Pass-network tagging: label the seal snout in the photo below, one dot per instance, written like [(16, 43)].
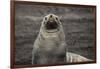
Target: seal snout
[(51, 23)]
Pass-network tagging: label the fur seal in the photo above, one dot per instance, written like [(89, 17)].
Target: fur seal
[(50, 46)]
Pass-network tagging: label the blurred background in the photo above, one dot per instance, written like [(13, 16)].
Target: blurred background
[(78, 24)]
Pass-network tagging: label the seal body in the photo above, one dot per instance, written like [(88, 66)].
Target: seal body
[(50, 46)]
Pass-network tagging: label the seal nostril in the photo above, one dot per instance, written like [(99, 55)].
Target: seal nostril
[(50, 16)]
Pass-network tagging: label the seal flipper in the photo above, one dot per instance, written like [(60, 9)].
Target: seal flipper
[(72, 57)]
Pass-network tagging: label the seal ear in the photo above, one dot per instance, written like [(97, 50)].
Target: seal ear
[(56, 18), (60, 20)]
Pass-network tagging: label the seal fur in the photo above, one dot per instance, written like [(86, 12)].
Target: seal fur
[(50, 46)]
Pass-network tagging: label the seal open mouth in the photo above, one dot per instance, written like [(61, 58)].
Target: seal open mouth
[(50, 25)]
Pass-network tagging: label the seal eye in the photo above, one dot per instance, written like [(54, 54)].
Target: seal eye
[(45, 18), (56, 18)]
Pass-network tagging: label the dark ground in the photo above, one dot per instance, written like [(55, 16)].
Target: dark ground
[(78, 26)]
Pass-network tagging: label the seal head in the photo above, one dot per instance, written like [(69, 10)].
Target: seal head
[(51, 23)]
